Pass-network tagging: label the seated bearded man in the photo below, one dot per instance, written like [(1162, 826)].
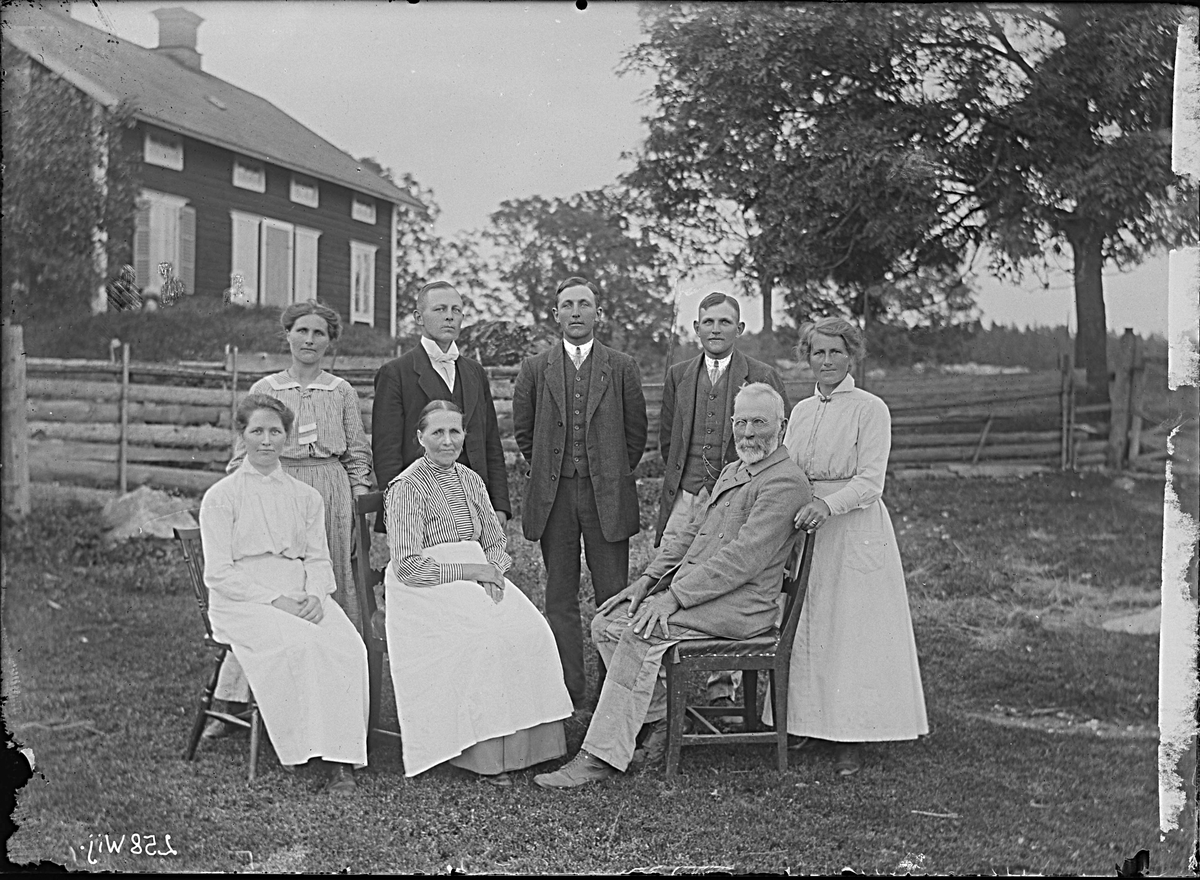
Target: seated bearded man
[(718, 577)]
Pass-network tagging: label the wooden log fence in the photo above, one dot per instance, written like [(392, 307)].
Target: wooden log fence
[(95, 421)]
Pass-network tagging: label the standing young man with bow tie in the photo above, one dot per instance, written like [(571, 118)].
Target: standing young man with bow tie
[(695, 433), (580, 421), (434, 370)]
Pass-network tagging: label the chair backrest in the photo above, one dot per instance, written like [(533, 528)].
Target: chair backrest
[(365, 577), (193, 554), (795, 586)]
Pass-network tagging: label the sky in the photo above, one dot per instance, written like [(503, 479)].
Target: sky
[(484, 102)]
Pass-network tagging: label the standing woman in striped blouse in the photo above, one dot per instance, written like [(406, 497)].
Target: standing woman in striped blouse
[(326, 448), (475, 666)]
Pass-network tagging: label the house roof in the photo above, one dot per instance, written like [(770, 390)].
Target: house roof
[(191, 102)]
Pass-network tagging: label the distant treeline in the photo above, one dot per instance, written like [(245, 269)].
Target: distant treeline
[(1037, 348)]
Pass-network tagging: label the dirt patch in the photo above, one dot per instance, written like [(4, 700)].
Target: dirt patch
[(1059, 721), (1038, 599)]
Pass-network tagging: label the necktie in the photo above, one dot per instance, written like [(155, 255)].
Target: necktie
[(714, 372), (443, 362), (577, 356)]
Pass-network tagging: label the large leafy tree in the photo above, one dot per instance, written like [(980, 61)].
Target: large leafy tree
[(869, 142), (539, 242), (70, 191)]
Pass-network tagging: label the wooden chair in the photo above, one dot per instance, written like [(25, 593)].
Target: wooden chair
[(374, 628), (189, 540), (772, 652)]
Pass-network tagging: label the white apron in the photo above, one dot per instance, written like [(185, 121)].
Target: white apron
[(466, 669), (310, 680)]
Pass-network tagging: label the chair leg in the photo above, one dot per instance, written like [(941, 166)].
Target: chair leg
[(202, 707), (779, 698), (255, 732), (750, 699), (375, 679), (676, 709)]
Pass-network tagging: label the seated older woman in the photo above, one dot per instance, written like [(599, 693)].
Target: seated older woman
[(476, 670), (269, 576)]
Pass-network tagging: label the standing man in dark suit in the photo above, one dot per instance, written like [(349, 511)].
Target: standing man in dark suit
[(580, 421), (434, 370), (695, 433)]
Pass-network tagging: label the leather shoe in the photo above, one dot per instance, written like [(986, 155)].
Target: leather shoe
[(500, 780), (846, 761), (341, 781), (580, 770), (654, 746)]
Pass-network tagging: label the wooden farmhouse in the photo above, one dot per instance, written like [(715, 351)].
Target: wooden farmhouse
[(235, 193)]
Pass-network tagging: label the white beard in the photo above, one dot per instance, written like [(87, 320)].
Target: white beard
[(755, 451)]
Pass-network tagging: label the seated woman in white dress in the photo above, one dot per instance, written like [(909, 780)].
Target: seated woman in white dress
[(269, 577), (476, 670)]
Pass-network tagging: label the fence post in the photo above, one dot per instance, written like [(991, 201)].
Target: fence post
[(123, 442), (1064, 456), (1137, 394), (1118, 396), (14, 463)]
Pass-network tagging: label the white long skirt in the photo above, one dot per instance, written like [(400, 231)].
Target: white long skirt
[(310, 680), (854, 675), (468, 670)]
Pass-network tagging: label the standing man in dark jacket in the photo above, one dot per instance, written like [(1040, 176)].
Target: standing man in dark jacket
[(580, 421), (434, 370), (695, 433)]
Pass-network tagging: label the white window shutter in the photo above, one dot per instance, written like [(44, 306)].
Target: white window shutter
[(362, 283), (244, 257), (187, 249), (275, 266), (141, 246), (306, 263)]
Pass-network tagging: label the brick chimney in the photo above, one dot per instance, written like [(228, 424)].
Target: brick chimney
[(177, 35)]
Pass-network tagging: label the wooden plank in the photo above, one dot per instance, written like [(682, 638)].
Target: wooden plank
[(1049, 450), (14, 459), (61, 389), (51, 410), (1012, 437), (180, 456), (201, 437), (104, 475)]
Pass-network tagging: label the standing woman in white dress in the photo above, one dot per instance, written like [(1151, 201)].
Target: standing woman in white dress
[(854, 671), (326, 448), (267, 569), (475, 666)]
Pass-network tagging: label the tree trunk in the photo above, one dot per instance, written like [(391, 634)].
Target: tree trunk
[(766, 286), (1091, 344)]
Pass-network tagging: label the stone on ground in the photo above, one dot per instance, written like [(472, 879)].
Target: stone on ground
[(146, 513)]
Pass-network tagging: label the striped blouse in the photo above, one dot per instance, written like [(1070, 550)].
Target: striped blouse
[(421, 504), (327, 421)]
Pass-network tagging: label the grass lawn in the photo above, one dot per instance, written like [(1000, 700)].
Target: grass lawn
[(1041, 756)]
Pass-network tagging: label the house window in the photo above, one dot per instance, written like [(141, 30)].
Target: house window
[(276, 261), (251, 175), (362, 283), (163, 149), (304, 191), (164, 234), (363, 210)]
